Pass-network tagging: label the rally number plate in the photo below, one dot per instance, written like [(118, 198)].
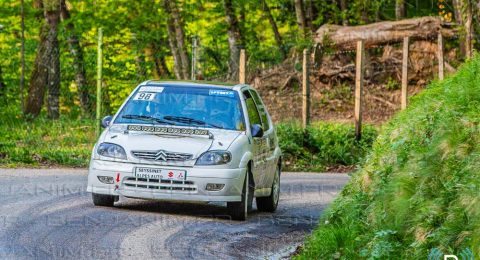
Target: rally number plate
[(160, 174)]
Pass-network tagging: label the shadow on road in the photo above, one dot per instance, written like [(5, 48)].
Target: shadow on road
[(197, 210)]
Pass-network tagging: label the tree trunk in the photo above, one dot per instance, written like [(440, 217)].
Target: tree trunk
[(78, 63), (457, 10), (273, 24), (177, 61), (400, 11), (140, 64), (22, 54), (180, 39), (172, 41), (343, 8), (52, 16), (234, 40), (346, 37), (300, 12), (39, 77), (468, 9), (309, 15), (161, 69), (243, 17)]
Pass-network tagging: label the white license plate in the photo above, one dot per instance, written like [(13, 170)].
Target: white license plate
[(160, 174)]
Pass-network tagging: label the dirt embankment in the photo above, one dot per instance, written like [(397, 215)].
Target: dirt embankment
[(332, 82)]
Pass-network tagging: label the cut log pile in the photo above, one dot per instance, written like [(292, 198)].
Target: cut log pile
[(374, 34)]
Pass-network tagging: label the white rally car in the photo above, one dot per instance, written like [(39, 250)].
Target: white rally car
[(185, 141)]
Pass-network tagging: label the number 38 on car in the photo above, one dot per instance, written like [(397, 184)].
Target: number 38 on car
[(185, 141)]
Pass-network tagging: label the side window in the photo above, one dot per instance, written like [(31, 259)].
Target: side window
[(262, 110), (252, 109)]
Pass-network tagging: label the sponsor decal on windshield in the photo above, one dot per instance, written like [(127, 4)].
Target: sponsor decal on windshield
[(167, 130), (151, 89), (221, 92)]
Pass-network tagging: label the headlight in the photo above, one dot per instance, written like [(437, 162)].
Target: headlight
[(214, 158), (111, 150)]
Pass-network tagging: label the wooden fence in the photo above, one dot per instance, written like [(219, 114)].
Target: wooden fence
[(359, 80)]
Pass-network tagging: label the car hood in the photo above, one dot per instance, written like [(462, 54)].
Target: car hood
[(176, 143)]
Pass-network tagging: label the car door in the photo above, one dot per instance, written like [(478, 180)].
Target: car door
[(258, 145), (269, 138)]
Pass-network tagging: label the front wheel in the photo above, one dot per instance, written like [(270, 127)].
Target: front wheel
[(270, 203), (103, 200), (239, 210)]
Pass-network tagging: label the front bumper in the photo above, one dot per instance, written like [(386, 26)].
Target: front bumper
[(192, 189)]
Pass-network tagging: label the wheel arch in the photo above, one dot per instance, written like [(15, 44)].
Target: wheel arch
[(250, 174)]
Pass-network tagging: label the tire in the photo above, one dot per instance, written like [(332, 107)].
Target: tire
[(103, 200), (270, 203), (239, 210)]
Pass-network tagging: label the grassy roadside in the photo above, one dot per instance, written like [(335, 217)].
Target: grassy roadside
[(323, 146), (43, 142), (68, 142), (419, 187)]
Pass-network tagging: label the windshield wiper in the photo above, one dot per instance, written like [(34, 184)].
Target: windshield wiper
[(190, 121), (147, 118)]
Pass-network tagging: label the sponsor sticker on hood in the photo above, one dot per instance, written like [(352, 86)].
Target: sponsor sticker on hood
[(167, 130)]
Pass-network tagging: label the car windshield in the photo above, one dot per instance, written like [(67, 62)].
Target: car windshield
[(207, 107)]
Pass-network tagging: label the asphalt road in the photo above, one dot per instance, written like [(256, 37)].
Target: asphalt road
[(46, 213)]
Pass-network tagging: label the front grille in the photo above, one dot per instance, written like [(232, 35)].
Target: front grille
[(162, 156), (156, 184)]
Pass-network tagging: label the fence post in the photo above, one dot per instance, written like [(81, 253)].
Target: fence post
[(242, 71), (441, 64), (359, 89), (305, 90), (99, 81), (22, 53), (405, 72), (194, 57)]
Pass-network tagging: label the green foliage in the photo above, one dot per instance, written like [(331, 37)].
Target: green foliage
[(419, 187), (341, 91), (322, 145), (65, 142), (392, 84)]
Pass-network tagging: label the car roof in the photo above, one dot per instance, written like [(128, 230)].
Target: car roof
[(193, 83)]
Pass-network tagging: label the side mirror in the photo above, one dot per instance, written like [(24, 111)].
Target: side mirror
[(106, 121), (257, 130)]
